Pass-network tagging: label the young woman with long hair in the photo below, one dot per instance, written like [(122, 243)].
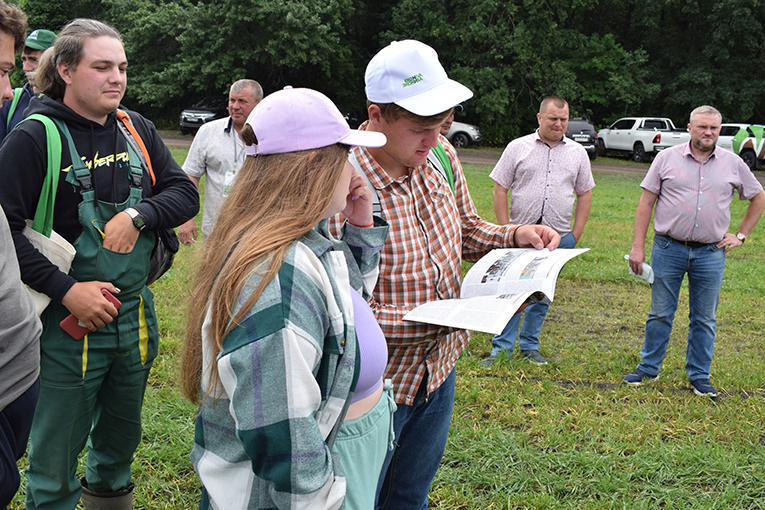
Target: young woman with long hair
[(272, 353)]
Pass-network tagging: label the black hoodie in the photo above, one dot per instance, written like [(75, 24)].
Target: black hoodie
[(23, 165)]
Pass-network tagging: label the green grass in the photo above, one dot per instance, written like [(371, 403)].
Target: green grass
[(567, 435)]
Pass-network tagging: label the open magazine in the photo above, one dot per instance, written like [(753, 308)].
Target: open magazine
[(496, 287)]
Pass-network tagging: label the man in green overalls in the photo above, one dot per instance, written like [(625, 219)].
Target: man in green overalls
[(108, 206)]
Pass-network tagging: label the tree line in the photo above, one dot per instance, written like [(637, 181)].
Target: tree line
[(608, 58)]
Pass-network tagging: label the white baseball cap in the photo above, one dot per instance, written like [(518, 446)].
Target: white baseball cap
[(409, 74)]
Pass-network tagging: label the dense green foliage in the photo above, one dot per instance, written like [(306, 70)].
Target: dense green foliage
[(608, 58)]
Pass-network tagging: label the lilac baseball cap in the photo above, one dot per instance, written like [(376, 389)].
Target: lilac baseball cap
[(301, 119)]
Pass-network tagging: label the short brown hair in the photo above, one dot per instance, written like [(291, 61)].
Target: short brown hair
[(13, 22), (392, 112), (557, 101)]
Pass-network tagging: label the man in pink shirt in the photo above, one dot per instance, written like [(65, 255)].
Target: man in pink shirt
[(544, 172), (692, 187)]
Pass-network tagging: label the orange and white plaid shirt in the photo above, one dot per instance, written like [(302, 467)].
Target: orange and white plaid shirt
[(430, 231)]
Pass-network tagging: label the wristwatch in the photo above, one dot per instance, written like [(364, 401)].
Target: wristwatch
[(741, 237), (138, 221)]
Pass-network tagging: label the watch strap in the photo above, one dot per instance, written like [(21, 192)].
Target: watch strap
[(136, 217)]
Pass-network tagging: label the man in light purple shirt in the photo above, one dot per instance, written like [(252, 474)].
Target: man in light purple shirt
[(544, 172), (692, 187)]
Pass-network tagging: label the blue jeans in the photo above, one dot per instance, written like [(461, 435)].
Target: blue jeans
[(421, 431), (533, 318), (704, 266)]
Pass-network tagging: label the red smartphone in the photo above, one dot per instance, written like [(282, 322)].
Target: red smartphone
[(74, 327)]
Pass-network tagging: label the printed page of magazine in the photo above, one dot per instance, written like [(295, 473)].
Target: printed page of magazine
[(496, 287)]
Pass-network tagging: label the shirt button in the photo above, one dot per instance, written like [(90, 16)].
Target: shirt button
[(342, 342)]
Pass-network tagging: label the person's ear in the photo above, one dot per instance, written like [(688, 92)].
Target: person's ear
[(375, 115), (65, 72)]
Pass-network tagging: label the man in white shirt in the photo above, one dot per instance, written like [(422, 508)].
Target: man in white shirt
[(218, 152)]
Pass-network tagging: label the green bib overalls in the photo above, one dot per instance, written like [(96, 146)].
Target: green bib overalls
[(92, 389)]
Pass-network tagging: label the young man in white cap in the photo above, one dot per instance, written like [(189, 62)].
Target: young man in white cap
[(431, 227)]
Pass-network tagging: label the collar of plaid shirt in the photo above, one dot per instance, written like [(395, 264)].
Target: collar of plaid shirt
[(430, 231)]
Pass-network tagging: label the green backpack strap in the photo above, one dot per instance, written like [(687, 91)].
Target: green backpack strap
[(43, 220), (14, 103), (437, 156), (440, 160)]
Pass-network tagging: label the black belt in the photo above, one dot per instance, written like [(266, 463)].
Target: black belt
[(690, 244)]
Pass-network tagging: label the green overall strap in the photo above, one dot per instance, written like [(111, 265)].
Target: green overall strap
[(16, 96), (134, 139), (440, 160), (43, 220), (81, 171), (136, 150)]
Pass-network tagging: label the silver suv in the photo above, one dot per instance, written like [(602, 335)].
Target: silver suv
[(462, 135)]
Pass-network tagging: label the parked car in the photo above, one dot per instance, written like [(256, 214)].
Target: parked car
[(641, 137), (354, 118), (209, 108), (583, 131), (463, 135), (746, 140)]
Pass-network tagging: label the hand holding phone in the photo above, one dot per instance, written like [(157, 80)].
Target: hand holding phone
[(75, 328)]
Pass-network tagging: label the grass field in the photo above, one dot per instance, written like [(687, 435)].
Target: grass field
[(568, 435)]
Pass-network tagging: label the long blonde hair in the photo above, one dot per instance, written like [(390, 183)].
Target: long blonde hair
[(277, 198)]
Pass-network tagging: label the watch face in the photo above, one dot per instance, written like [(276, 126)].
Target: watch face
[(138, 221)]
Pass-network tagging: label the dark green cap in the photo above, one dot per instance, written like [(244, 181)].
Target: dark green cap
[(40, 39)]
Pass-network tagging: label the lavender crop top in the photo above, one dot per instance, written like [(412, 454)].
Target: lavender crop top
[(372, 348)]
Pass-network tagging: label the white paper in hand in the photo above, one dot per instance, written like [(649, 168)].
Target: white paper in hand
[(647, 271)]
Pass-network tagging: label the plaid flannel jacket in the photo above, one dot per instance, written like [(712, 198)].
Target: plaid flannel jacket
[(285, 373)]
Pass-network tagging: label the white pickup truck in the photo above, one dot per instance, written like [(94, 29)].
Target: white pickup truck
[(641, 137)]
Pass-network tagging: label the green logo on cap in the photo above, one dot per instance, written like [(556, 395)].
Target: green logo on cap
[(413, 79)]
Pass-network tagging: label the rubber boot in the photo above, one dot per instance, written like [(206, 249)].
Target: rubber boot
[(117, 500)]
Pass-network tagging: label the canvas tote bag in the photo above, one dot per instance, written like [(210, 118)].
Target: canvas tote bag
[(40, 231)]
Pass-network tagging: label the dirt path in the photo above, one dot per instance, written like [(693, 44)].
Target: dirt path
[(177, 141), (478, 157)]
